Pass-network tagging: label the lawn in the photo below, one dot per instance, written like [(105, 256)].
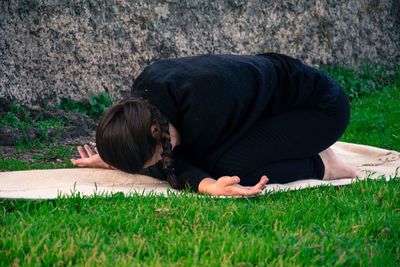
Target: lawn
[(375, 120), (351, 225)]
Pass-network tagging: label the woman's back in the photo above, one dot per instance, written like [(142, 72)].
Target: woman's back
[(214, 99)]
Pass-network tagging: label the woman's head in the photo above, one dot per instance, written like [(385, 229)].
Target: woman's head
[(128, 136)]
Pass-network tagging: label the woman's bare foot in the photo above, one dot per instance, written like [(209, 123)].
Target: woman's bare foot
[(336, 168)]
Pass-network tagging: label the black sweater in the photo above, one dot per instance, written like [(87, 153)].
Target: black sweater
[(212, 100)]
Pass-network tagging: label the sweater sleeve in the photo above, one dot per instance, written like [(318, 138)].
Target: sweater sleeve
[(188, 174)]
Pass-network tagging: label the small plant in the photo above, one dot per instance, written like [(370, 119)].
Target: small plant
[(54, 123), (99, 104), (55, 152), (95, 106)]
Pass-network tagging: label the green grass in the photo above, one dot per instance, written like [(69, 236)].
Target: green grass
[(55, 156), (352, 225), (18, 165), (368, 79), (375, 120)]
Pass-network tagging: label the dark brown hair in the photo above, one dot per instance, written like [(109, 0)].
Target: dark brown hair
[(125, 141)]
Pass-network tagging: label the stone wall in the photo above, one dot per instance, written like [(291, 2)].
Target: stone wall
[(67, 48)]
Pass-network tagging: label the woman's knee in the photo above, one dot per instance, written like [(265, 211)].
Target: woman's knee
[(337, 115), (342, 107)]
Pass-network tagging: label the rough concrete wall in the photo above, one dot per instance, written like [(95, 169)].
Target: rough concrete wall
[(53, 49)]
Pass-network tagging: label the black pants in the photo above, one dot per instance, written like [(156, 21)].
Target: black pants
[(285, 146)]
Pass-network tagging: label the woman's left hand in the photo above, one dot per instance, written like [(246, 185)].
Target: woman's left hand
[(229, 186)]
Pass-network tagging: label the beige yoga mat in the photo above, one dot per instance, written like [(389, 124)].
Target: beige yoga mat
[(372, 162)]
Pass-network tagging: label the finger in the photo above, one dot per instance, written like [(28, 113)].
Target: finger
[(81, 152), (95, 148), (229, 180), (262, 183), (88, 150), (243, 191), (76, 162)]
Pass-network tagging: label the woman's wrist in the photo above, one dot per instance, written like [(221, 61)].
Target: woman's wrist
[(205, 184), (99, 163)]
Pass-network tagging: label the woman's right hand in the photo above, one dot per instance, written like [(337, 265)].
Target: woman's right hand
[(89, 159)]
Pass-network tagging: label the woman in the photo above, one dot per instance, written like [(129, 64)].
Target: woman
[(204, 121)]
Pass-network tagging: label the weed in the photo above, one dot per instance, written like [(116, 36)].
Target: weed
[(19, 117)]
